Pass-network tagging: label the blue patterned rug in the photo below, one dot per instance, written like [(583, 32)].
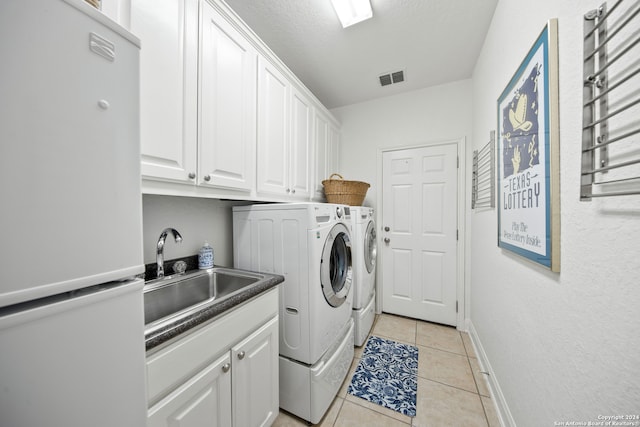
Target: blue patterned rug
[(386, 375)]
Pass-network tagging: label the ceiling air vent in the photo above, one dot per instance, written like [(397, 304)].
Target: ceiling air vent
[(385, 79), (390, 78)]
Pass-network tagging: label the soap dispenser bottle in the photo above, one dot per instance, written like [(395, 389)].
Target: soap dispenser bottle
[(205, 257)]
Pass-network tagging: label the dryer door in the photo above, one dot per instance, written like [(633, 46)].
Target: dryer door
[(370, 247), (335, 267)]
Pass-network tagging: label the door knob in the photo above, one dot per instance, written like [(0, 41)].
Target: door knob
[(386, 229), (387, 240)]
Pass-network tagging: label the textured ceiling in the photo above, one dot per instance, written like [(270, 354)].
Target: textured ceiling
[(433, 41)]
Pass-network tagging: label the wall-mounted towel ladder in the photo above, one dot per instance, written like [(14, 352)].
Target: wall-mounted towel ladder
[(483, 175), (611, 101)]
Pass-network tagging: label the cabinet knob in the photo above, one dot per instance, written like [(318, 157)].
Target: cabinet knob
[(386, 229), (192, 175), (226, 367), (288, 190), (293, 191), (207, 178), (241, 355), (104, 104), (387, 240)]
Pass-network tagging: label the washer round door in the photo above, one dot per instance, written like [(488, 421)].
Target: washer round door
[(370, 247), (335, 266)]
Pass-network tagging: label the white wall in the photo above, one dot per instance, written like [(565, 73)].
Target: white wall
[(562, 347), (197, 220)]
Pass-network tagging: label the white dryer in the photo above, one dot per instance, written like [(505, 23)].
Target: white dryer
[(364, 248), (310, 245)]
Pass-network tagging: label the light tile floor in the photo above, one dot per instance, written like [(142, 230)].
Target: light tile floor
[(451, 389)]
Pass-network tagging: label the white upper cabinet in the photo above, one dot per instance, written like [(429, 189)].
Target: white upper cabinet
[(198, 96), (285, 119), (327, 145), (301, 148), (273, 131), (168, 31), (227, 113), (221, 116), (333, 163), (321, 155)]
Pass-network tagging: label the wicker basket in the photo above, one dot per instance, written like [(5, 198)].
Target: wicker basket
[(345, 192)]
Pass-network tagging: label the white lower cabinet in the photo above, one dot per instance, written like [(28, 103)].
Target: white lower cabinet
[(224, 374), (255, 378), (204, 400)]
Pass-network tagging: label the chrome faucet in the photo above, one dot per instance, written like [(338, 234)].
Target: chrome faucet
[(160, 248)]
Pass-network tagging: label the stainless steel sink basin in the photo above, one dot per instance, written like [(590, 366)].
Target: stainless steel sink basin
[(177, 295)]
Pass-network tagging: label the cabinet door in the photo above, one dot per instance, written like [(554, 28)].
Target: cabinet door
[(226, 149), (333, 157), (301, 145), (204, 400), (168, 86), (273, 134), (255, 377), (321, 143)]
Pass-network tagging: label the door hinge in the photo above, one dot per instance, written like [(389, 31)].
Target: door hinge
[(456, 306)]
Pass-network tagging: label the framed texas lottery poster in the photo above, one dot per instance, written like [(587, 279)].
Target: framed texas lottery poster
[(528, 156)]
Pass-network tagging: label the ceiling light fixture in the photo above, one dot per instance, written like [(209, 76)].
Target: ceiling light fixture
[(352, 11)]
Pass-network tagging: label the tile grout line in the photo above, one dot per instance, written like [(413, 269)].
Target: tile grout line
[(449, 385), (442, 350), (338, 413)]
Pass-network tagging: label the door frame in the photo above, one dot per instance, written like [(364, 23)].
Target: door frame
[(462, 285)]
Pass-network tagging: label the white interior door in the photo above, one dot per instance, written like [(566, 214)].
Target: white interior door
[(419, 232)]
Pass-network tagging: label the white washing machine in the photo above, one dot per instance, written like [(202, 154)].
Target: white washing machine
[(364, 249), (310, 245)]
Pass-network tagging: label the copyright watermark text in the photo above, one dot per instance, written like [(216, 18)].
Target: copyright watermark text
[(632, 420)]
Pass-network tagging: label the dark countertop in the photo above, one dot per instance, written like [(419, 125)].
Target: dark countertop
[(171, 330)]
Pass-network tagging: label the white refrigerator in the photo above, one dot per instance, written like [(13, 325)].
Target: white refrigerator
[(71, 308)]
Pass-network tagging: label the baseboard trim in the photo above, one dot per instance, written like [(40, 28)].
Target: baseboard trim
[(506, 419)]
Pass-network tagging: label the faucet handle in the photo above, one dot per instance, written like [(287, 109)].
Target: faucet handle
[(179, 267)]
